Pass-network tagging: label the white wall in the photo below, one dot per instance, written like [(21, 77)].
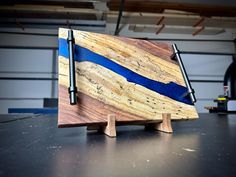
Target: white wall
[(27, 63), (206, 67), (35, 62)]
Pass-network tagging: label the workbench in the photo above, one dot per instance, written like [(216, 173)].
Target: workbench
[(34, 146)]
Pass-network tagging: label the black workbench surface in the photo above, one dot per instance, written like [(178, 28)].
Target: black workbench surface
[(34, 146)]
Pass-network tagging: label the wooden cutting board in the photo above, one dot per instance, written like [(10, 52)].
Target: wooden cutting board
[(134, 79)]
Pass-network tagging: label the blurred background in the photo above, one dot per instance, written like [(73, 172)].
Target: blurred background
[(204, 31)]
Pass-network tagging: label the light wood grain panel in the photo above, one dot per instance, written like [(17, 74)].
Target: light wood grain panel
[(89, 111), (112, 89), (132, 57)]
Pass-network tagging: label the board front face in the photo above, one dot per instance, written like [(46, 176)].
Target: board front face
[(134, 79)]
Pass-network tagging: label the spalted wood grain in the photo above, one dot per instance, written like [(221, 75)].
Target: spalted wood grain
[(103, 92), (159, 49), (88, 111), (141, 61), (112, 89)]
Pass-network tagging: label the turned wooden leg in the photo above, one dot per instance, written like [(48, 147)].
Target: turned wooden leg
[(165, 125), (110, 129)]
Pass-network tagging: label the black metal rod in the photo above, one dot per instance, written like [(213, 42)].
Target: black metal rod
[(186, 79), (72, 89), (122, 2)]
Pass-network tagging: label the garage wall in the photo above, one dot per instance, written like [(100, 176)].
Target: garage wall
[(28, 70), (34, 59), (206, 73)]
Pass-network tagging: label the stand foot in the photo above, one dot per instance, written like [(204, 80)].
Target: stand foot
[(110, 129), (165, 125)]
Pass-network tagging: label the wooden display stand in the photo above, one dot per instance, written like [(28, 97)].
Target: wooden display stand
[(106, 81), (110, 128)]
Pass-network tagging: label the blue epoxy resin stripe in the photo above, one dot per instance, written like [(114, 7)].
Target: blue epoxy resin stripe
[(171, 89)]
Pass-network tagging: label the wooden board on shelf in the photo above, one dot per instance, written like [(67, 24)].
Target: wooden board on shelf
[(134, 79)]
